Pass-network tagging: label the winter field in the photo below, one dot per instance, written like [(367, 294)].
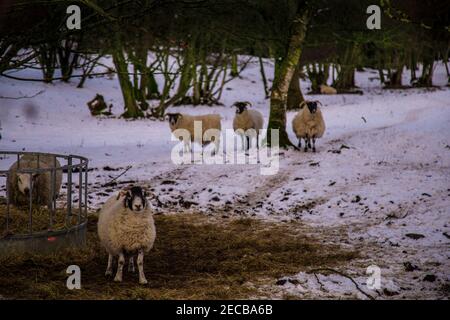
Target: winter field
[(378, 185)]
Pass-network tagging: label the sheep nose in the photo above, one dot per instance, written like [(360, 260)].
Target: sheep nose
[(26, 190), (138, 206)]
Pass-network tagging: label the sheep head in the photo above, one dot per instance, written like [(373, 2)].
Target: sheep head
[(24, 181), (173, 118), (134, 198), (312, 105), (241, 106)]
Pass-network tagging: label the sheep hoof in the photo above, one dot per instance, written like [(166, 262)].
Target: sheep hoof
[(118, 279), (314, 149), (108, 273), (143, 281)]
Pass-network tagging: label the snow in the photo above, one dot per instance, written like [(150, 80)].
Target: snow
[(382, 171)]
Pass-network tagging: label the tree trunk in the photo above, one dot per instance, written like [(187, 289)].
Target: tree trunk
[(295, 96), (234, 66), (346, 75), (395, 80), (47, 60), (426, 79), (67, 59), (131, 109), (381, 74), (413, 68), (284, 69), (264, 78)]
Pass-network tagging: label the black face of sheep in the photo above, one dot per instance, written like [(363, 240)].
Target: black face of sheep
[(241, 106), (173, 118), (312, 106), (135, 199)]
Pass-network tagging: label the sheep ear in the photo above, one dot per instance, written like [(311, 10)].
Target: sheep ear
[(248, 103), (122, 193), (302, 104)]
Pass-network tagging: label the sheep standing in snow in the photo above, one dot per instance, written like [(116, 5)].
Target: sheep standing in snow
[(19, 184), (308, 124), (202, 129), (247, 123), (126, 226), (324, 89)]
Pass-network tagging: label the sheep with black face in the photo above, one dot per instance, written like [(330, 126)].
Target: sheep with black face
[(247, 123), (308, 124), (126, 227)]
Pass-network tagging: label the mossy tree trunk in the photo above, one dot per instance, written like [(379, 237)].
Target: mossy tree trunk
[(426, 78), (234, 65), (264, 78), (131, 109), (284, 70), (395, 75), (346, 73), (413, 67), (295, 96)]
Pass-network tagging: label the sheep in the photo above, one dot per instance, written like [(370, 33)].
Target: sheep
[(19, 183), (207, 123), (126, 226), (308, 124), (324, 89), (246, 119)]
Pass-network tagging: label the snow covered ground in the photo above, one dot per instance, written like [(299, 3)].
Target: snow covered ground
[(379, 183)]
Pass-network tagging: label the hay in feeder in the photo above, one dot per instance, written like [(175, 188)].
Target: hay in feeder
[(19, 223)]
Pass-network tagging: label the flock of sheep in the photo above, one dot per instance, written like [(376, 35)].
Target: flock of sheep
[(125, 224), (308, 125)]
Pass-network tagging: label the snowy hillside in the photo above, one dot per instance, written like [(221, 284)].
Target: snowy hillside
[(379, 182)]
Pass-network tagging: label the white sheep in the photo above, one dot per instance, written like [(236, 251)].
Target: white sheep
[(308, 124), (202, 129), (19, 183), (247, 123), (126, 226), (324, 89)]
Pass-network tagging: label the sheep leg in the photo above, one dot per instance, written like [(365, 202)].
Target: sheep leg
[(131, 265), (140, 262), (109, 267), (243, 142), (306, 144), (187, 147), (300, 143), (119, 273), (257, 140), (314, 143), (216, 146), (248, 143)]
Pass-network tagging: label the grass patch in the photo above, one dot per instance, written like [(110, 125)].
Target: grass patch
[(193, 258)]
